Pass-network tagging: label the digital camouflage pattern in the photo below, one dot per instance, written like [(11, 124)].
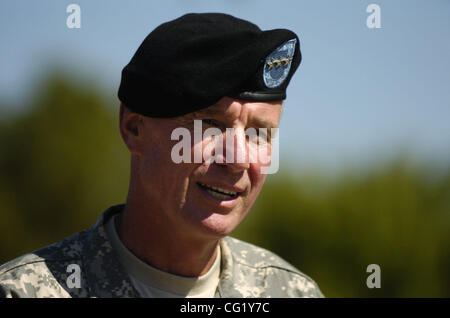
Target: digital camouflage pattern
[(246, 270)]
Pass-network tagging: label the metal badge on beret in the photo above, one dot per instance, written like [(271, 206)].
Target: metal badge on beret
[(278, 64)]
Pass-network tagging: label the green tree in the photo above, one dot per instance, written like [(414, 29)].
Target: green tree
[(62, 163), (396, 217)]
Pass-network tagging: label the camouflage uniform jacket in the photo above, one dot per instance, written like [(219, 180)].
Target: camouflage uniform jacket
[(246, 270)]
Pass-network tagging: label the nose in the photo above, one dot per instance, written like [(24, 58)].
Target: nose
[(236, 154)]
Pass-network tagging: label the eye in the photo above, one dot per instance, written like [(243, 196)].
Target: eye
[(257, 136), (262, 133)]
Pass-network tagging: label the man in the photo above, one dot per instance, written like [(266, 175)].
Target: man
[(171, 239)]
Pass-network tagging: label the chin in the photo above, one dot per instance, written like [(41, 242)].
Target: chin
[(218, 225), (212, 222)]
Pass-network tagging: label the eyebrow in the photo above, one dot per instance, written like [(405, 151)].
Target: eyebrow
[(264, 123), (207, 112), (211, 112)]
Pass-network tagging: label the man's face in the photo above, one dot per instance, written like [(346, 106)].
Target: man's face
[(181, 196)]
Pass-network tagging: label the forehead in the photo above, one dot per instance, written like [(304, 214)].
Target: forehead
[(260, 113)]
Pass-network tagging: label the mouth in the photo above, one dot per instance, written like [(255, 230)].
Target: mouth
[(219, 193)]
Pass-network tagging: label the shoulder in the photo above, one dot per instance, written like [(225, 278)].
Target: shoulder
[(42, 273), (278, 277), (255, 256)]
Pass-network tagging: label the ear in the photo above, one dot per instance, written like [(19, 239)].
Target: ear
[(130, 124)]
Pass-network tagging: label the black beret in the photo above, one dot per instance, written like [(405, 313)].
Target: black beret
[(192, 62)]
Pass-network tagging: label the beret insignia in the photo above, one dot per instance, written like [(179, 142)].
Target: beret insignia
[(278, 64)]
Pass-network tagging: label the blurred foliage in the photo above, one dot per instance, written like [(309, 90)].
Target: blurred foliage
[(393, 217), (62, 163)]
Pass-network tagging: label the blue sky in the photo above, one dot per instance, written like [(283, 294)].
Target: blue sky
[(359, 93)]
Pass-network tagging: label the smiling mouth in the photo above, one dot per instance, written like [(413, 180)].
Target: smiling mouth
[(219, 193)]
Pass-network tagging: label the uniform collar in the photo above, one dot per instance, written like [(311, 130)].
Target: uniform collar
[(108, 278)]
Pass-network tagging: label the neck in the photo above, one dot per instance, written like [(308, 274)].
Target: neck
[(157, 243)]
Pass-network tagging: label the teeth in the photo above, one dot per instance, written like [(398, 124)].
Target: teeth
[(218, 195), (232, 193)]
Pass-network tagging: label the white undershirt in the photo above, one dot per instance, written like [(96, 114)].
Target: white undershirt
[(151, 282)]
